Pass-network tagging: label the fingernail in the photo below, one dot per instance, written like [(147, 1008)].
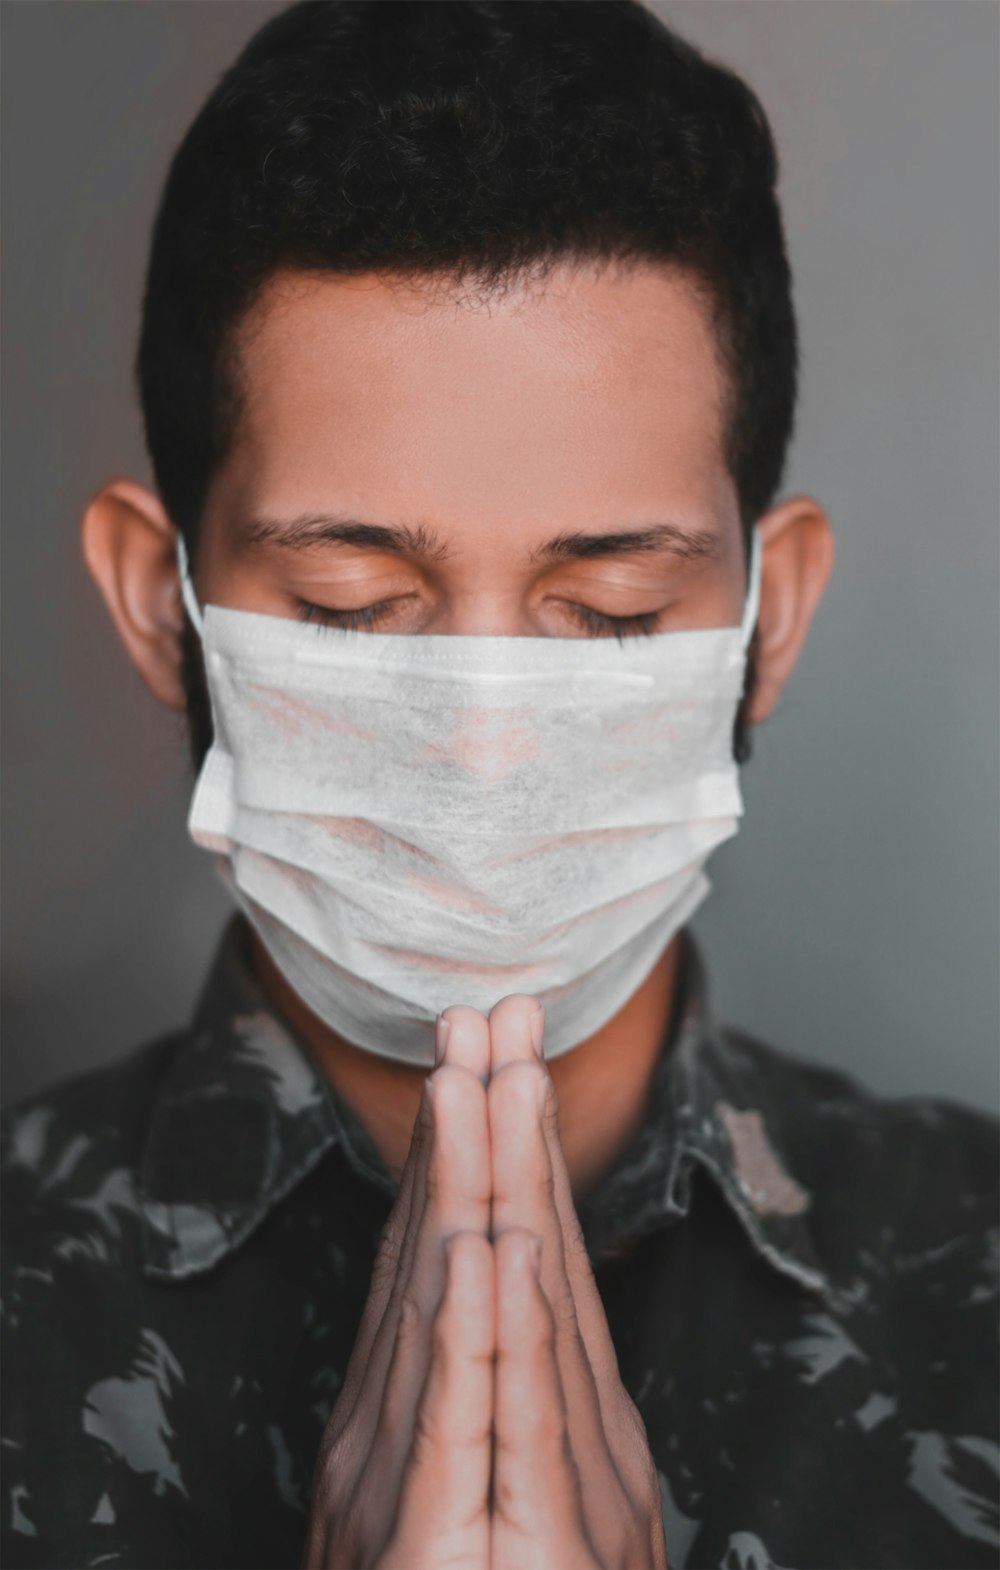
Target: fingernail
[(440, 1038), (537, 1028)]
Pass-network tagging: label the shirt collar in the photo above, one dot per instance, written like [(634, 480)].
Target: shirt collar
[(712, 1106), (243, 1115)]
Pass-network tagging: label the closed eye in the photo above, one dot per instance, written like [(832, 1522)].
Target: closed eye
[(594, 623), (597, 625), (366, 616)]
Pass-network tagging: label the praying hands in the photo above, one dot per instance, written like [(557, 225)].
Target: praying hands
[(483, 1424)]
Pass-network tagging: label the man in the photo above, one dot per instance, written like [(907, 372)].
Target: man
[(453, 1230)]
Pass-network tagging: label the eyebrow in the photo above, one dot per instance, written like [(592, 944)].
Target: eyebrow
[(308, 530), (297, 534), (663, 538)]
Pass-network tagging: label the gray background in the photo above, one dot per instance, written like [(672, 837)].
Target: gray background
[(855, 918)]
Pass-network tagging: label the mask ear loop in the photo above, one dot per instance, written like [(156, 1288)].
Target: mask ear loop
[(752, 605), (187, 588)]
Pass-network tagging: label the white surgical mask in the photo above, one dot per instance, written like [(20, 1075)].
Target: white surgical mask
[(411, 822)]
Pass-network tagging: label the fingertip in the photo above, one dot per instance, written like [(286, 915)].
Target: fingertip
[(468, 1252), (516, 1025), (520, 1091), (464, 1036), (518, 1264)]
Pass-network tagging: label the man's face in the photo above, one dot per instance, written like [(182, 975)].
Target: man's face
[(548, 464), (545, 463)]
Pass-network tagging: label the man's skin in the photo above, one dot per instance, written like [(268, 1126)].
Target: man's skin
[(497, 433), (542, 1463)]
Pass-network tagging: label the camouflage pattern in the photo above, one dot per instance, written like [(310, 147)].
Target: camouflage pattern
[(800, 1280)]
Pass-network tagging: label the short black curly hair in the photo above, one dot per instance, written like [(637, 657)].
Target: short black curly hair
[(473, 140)]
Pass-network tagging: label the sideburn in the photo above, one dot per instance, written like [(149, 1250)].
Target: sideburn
[(742, 729), (199, 705)]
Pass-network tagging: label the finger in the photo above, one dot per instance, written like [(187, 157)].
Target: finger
[(523, 1187), (514, 1028), (538, 1516), (444, 1489), (463, 1040), (519, 1098), (517, 1025), (385, 1268), (591, 1319), (454, 1185), (617, 1418), (453, 1181)]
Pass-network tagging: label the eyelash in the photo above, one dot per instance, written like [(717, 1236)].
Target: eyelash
[(619, 627), (323, 616), (594, 622)]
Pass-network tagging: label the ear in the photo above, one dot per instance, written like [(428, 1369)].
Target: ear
[(129, 545), (798, 553)]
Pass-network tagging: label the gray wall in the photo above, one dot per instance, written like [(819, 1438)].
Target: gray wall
[(855, 919)]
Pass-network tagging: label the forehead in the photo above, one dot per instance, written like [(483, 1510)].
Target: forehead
[(589, 389)]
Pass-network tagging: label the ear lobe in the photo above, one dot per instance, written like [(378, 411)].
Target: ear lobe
[(798, 547), (129, 545)]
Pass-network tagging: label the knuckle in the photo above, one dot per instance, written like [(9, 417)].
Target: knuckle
[(387, 1254), (505, 1497), (453, 1304), (433, 1183), (514, 1089), (456, 1091), (422, 1122), (508, 1084), (410, 1315), (636, 1427), (463, 1251), (543, 1179), (575, 1246), (545, 1087), (510, 1244), (441, 1339), (564, 1309), (632, 1412), (546, 1329), (430, 1433), (446, 1094), (383, 1273), (524, 1086), (652, 1498), (332, 1469), (389, 1232), (425, 1112), (633, 1444)]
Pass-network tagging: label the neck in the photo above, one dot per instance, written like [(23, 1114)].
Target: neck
[(602, 1084)]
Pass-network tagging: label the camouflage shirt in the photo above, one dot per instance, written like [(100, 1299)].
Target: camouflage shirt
[(799, 1278)]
